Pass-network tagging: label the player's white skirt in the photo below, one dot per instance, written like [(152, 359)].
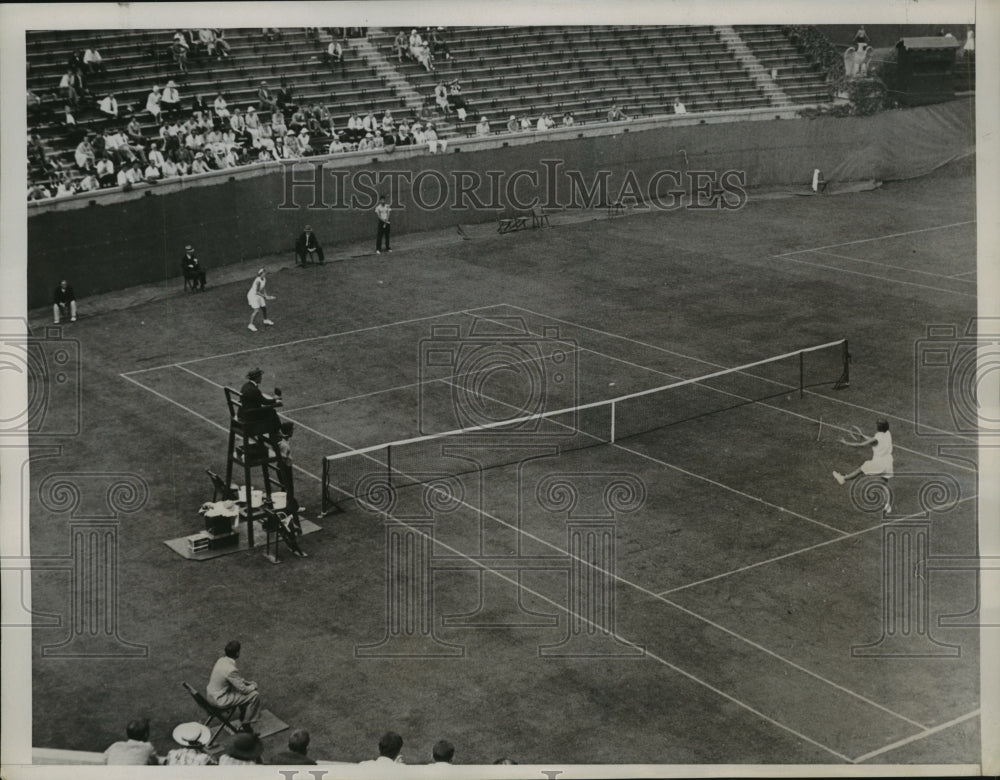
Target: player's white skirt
[(878, 467), (255, 301)]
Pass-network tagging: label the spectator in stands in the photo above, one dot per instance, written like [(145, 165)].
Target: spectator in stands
[(441, 97), (38, 191), (88, 183), (155, 156), (245, 749), (84, 155), (206, 40), (181, 39), (221, 107), (456, 100), (336, 145), (388, 124), (193, 740), (130, 175), (64, 184), (292, 149), (179, 53), (483, 128), (679, 107), (69, 88), (200, 164), (414, 43), (443, 752), (513, 125), (525, 124), (437, 42), (151, 174), (367, 143), (308, 246), (221, 44), (946, 34), (297, 120), (400, 45), (266, 101), (389, 750), (133, 130), (545, 122), (109, 105), (370, 122), (418, 133), (226, 687), (137, 750), (305, 142), (568, 119), (278, 124), (969, 47), (104, 169), (861, 36), (63, 302), (68, 118), (153, 102), (37, 110), (284, 96), (170, 101), (93, 62), (334, 54), (615, 114), (271, 33), (252, 124), (298, 745), (238, 124)]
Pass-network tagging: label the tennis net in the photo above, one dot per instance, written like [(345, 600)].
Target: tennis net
[(365, 474)]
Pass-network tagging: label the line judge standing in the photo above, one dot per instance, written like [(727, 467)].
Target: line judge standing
[(382, 212)]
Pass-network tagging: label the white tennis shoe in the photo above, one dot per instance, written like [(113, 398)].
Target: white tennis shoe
[(252, 327), (268, 322)]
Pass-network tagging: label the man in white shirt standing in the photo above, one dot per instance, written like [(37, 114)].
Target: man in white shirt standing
[(382, 212)]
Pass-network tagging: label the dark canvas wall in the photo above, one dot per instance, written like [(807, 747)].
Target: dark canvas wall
[(140, 240)]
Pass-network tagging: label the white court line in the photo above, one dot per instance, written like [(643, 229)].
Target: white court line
[(621, 579), (516, 581), (201, 416), (915, 737), (963, 273), (308, 339), (771, 406), (880, 238), (835, 269), (719, 365), (893, 267), (800, 551)]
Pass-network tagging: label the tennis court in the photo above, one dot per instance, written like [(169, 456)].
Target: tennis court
[(671, 578)]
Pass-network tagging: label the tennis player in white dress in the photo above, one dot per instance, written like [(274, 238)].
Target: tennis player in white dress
[(880, 463), (257, 297)]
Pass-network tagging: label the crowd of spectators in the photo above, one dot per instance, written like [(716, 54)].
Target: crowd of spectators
[(241, 698), (173, 135)]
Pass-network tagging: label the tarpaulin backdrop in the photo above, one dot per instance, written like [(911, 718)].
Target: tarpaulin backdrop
[(138, 238)]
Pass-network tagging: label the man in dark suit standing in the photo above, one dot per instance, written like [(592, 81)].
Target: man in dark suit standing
[(307, 245)]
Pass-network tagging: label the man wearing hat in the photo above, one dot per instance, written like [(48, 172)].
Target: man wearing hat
[(192, 269), (307, 245), (170, 100), (245, 748), (193, 739), (227, 687), (256, 406)]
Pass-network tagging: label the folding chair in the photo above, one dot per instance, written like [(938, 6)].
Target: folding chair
[(539, 217), (220, 490), (222, 714)]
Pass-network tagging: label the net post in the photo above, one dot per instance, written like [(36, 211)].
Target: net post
[(802, 373), (613, 416), (845, 376), (325, 500)]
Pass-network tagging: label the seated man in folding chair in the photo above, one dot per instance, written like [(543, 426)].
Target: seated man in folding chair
[(307, 247), (227, 688)]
